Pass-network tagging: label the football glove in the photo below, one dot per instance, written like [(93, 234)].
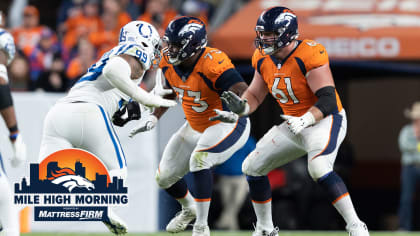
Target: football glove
[(145, 125), (297, 124), (129, 111), (235, 103), (225, 116), (19, 149)]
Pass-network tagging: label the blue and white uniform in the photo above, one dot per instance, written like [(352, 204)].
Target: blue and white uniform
[(82, 119)]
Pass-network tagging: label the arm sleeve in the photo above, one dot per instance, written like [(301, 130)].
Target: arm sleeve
[(117, 71), (228, 78), (327, 101)]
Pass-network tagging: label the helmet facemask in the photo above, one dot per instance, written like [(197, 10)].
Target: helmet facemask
[(176, 52), (268, 45), (157, 56), (172, 51)]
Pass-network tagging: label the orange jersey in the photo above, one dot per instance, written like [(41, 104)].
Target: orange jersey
[(286, 79), (199, 89)]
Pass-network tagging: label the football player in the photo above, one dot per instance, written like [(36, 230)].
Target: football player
[(9, 223), (198, 75), (82, 118), (297, 74)]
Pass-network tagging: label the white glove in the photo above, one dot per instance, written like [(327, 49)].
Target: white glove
[(159, 90), (297, 124), (19, 149), (225, 116), (145, 125)]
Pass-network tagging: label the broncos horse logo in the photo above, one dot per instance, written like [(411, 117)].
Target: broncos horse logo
[(191, 27), (68, 179), (285, 19)]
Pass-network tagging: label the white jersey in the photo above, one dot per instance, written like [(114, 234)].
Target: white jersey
[(7, 45), (94, 88)]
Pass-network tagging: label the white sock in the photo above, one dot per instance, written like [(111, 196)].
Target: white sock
[(263, 213), (345, 207), (9, 217), (187, 201), (202, 212)]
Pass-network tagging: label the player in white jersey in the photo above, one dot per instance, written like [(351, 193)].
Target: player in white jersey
[(82, 118), (9, 224)]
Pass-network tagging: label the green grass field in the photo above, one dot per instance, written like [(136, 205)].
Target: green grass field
[(239, 233)]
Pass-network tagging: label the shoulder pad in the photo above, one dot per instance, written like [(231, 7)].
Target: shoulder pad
[(138, 52), (215, 62)]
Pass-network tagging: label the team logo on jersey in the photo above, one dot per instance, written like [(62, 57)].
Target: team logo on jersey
[(191, 27), (70, 185)]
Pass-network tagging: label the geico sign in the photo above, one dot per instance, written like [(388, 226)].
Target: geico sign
[(361, 47)]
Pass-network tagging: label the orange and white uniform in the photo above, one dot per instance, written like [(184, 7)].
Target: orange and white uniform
[(286, 81), (201, 143)]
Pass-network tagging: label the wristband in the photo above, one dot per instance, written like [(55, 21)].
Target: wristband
[(14, 136)]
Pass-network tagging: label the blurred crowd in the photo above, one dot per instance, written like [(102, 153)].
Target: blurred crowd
[(54, 59)]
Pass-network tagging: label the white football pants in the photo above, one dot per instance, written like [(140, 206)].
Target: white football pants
[(189, 150), (9, 217), (280, 146), (86, 126)]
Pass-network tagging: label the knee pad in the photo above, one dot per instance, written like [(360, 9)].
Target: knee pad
[(199, 161), (248, 168), (319, 167), (164, 180)]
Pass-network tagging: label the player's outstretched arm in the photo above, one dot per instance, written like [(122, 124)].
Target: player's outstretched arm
[(251, 98), (160, 89), (150, 121), (118, 72)]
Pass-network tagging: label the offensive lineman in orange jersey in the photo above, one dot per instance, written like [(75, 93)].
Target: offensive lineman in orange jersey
[(298, 76), (198, 75)]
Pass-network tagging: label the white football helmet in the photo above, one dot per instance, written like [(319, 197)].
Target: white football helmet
[(144, 35)]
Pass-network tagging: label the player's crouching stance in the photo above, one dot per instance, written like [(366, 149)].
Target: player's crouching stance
[(9, 219), (298, 76), (197, 74), (82, 118)]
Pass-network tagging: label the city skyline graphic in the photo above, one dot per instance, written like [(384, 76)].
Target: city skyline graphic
[(81, 183)]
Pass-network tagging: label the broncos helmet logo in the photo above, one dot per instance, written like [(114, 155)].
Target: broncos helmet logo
[(285, 17), (191, 27), (68, 179)]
